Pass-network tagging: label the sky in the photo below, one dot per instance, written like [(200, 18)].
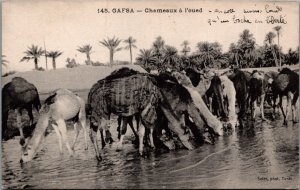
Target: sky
[(66, 24)]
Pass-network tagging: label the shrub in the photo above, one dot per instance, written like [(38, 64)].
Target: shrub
[(97, 63), (121, 62), (9, 73), (40, 69), (71, 63)]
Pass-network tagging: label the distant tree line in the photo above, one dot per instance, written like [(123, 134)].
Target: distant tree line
[(244, 53)]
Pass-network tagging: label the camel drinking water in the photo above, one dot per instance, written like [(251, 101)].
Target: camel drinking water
[(128, 94), (206, 115), (62, 105), (17, 95), (215, 90)]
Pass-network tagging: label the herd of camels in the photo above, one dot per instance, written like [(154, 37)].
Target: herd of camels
[(188, 105)]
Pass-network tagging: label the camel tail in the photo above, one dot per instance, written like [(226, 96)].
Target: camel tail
[(37, 103), (88, 110)]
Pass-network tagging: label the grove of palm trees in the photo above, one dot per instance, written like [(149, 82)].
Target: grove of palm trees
[(244, 53)]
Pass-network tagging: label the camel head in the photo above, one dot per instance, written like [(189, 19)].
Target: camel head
[(182, 79), (30, 149)]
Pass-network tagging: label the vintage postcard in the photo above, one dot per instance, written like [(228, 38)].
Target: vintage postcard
[(150, 94)]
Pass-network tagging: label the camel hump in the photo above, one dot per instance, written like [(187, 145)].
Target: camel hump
[(53, 96), (122, 72), (21, 85)]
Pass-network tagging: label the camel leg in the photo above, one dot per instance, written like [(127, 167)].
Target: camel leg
[(281, 107), (141, 139), (262, 100), (151, 138), (123, 132), (29, 110), (274, 105), (19, 125), (137, 118), (93, 137), (76, 131), (132, 128), (288, 103), (63, 130), (83, 125), (102, 138), (294, 107), (55, 127), (253, 108), (119, 126)]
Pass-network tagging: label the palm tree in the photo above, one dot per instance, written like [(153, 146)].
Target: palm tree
[(235, 53), (4, 61), (269, 40), (54, 55), (33, 52), (170, 56), (87, 49), (130, 41), (111, 44), (278, 30), (158, 48), (207, 53), (185, 48), (246, 37), (146, 58)]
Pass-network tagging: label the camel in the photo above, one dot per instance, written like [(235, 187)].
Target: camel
[(205, 114), (286, 84), (259, 87), (240, 81), (18, 95), (127, 96), (60, 106), (219, 90), (140, 93)]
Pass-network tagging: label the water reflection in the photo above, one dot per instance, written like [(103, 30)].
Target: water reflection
[(259, 149)]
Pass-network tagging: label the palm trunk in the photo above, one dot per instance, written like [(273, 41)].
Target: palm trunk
[(237, 62), (36, 64), (130, 54), (88, 59), (53, 63), (274, 55), (111, 57), (279, 51)]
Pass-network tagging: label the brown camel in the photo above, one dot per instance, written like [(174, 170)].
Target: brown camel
[(18, 95), (286, 84), (124, 94)]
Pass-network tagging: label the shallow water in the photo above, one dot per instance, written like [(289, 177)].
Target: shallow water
[(248, 158)]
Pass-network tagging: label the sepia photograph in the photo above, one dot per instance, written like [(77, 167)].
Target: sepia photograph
[(150, 94)]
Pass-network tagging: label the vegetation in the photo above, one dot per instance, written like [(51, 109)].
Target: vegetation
[(87, 49), (71, 63), (54, 55), (33, 52), (131, 44), (9, 73), (244, 53), (112, 45), (4, 62)]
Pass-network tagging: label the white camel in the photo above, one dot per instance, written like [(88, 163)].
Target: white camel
[(62, 105), (229, 94)]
